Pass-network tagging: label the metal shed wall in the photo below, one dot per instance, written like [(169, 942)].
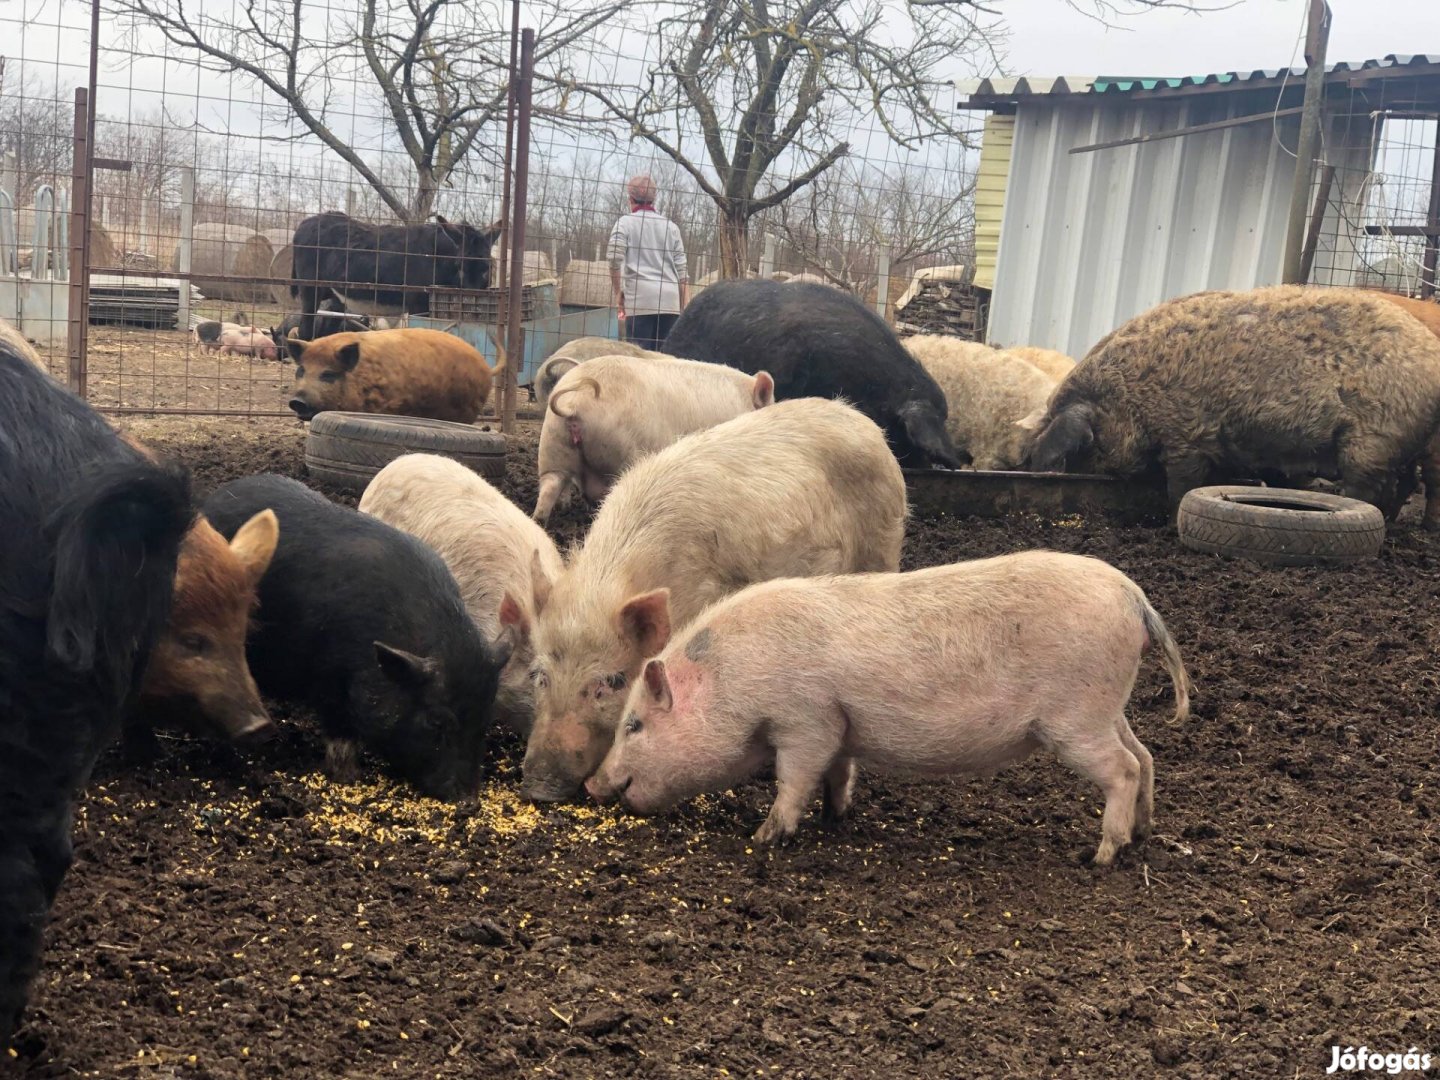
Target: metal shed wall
[(990, 195), (1090, 240)]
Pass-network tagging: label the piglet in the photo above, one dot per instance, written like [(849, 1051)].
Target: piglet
[(366, 625), (247, 341), (956, 669)]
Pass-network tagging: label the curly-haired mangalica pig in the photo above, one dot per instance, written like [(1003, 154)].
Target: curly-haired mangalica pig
[(489, 545), (1050, 362), (799, 488), (409, 372), (574, 353), (956, 669), (1289, 379), (987, 393), (603, 419)]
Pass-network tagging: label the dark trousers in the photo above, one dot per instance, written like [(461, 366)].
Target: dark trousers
[(649, 331)]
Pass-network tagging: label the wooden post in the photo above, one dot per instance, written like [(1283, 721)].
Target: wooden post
[(882, 288), (1317, 220), (1317, 37)]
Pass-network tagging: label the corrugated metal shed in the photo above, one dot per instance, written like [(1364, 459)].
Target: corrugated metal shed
[(1089, 240), (981, 92), (990, 194)]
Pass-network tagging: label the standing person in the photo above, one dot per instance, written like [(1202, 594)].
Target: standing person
[(648, 275)]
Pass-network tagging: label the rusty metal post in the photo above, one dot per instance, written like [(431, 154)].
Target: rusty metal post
[(502, 321), (78, 315), (515, 343)]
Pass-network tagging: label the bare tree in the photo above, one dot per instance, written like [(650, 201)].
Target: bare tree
[(435, 71), (793, 79), (919, 214), (35, 125)]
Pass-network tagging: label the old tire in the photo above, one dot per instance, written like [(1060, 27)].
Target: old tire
[(345, 450), (1280, 526)]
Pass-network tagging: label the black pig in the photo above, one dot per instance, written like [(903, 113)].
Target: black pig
[(90, 538), (366, 625), (820, 342)]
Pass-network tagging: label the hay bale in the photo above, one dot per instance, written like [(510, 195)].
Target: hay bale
[(282, 265), (103, 253), (221, 252), (538, 268), (586, 283)]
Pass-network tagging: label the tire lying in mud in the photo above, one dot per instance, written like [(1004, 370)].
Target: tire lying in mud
[(1280, 526), (345, 450)]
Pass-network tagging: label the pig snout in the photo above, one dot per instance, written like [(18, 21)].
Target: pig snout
[(302, 408), (548, 789), (605, 790)]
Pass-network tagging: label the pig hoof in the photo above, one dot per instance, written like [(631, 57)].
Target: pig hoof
[(772, 832)]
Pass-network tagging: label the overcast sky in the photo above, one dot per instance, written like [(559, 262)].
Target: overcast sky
[(1049, 37)]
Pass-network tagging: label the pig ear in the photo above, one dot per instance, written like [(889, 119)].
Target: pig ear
[(645, 620), (254, 544), (503, 647), (1071, 431), (348, 355), (512, 618), (764, 392), (295, 347), (539, 582), (657, 684), (403, 668), (1032, 423)]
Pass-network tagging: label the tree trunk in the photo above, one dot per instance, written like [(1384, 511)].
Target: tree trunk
[(426, 189), (734, 240)]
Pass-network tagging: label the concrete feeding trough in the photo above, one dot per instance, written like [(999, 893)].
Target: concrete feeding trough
[(993, 494)]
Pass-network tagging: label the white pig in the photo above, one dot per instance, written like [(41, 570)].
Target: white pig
[(602, 419), (489, 545), (574, 353), (802, 487), (957, 669)]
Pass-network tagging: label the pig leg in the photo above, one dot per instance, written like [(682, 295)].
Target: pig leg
[(839, 789), (1105, 760), (1430, 474), (552, 484), (559, 466), (342, 760), (1184, 471), (1145, 807), (595, 486), (803, 757)]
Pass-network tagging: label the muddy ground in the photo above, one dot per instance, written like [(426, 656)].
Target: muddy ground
[(237, 916)]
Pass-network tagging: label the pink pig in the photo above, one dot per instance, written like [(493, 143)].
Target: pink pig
[(965, 668), (247, 341)]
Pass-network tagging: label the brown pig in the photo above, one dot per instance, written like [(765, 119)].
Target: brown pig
[(798, 488), (966, 668), (199, 659), (604, 418), (410, 372)]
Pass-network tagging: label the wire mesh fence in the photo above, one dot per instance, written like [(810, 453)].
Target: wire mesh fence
[(813, 142), (1376, 190), (821, 150)]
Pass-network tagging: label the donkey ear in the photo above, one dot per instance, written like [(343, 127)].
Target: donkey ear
[(1071, 432)]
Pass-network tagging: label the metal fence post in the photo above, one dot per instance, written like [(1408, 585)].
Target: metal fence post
[(515, 345), (882, 288), (79, 315), (187, 243)]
